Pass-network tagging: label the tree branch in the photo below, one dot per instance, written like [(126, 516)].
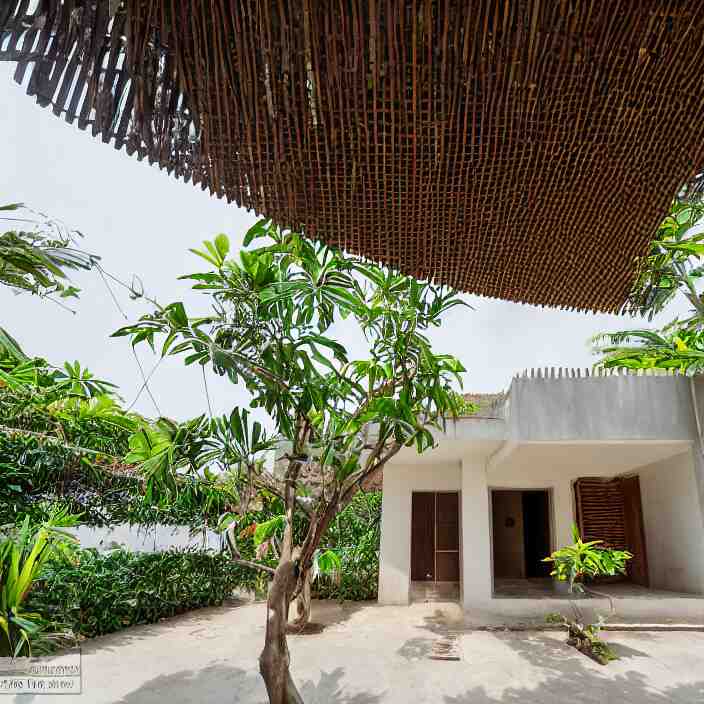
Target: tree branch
[(254, 565), (57, 441), (300, 500), (237, 557), (355, 480)]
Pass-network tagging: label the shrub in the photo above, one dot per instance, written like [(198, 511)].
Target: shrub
[(104, 592), (97, 424), (34, 469), (579, 563), (99, 593), (582, 561), (355, 537), (24, 553)]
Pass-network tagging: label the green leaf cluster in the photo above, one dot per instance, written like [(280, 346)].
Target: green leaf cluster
[(24, 553), (68, 402), (36, 260), (271, 327), (586, 560), (354, 537), (673, 266)]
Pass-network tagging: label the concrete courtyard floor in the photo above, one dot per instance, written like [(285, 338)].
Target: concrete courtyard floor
[(368, 654)]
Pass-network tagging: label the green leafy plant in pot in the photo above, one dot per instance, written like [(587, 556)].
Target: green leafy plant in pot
[(579, 564)]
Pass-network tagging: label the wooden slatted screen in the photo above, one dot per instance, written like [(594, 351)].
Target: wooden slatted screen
[(611, 510), (394, 128), (635, 530), (600, 511)]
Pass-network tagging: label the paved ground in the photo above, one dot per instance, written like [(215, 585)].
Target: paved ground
[(378, 655)]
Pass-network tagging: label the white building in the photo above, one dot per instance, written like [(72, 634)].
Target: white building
[(620, 455)]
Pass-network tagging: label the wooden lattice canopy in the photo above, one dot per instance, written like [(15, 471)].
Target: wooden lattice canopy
[(523, 149)]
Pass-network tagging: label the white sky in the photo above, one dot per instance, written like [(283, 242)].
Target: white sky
[(141, 221)]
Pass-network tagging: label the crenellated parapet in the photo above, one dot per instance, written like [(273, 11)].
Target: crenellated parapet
[(586, 372)]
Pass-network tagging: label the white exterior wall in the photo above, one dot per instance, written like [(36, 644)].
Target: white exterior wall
[(550, 433), (673, 525), (599, 408), (400, 482), (472, 479)]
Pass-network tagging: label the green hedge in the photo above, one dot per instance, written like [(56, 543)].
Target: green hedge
[(104, 592), (100, 593)]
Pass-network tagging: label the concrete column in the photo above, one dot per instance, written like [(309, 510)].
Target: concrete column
[(563, 513), (395, 548), (476, 535)]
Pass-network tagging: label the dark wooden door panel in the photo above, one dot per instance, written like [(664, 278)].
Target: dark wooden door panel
[(635, 534), (448, 522), (448, 564), (423, 536)]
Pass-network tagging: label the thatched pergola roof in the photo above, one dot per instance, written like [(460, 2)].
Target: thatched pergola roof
[(520, 149)]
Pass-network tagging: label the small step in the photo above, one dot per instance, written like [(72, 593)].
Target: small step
[(435, 591)]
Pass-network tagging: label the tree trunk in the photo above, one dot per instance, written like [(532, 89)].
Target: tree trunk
[(275, 659), (303, 602)]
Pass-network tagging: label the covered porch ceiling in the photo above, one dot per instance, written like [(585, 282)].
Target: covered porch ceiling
[(506, 460), (578, 459), (524, 151)]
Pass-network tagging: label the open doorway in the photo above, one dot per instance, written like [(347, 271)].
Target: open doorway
[(520, 533)]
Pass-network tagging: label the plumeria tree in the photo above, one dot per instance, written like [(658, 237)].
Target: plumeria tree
[(338, 420)]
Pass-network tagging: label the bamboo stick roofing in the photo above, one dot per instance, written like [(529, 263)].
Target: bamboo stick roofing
[(524, 150)]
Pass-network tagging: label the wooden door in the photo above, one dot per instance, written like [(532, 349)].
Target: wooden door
[(435, 537), (447, 541), (611, 510), (635, 533), (423, 536)]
